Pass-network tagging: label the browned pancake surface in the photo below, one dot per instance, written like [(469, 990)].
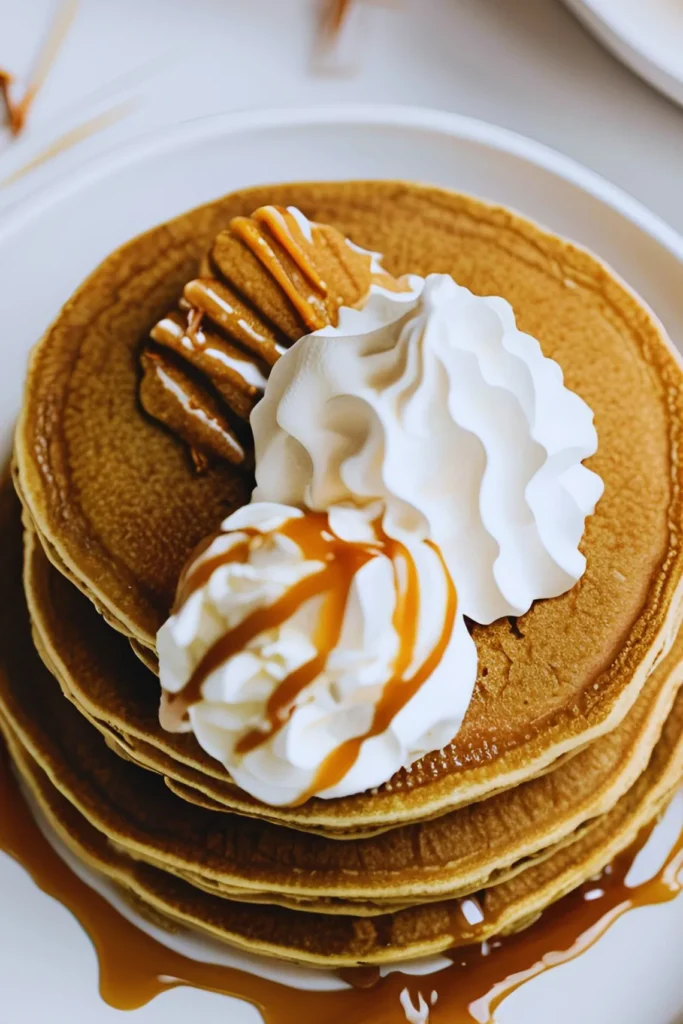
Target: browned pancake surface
[(456, 852), (117, 499), (31, 697)]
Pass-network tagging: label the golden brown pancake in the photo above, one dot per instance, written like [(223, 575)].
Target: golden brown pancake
[(257, 861), (110, 686), (107, 809), (116, 500), (332, 940)]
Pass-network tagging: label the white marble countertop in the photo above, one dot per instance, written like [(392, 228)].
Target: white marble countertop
[(524, 64)]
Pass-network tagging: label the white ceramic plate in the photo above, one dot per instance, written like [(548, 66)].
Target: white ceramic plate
[(645, 34), (48, 244)]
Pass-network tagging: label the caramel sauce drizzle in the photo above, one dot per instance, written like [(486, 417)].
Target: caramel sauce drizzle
[(135, 968), (71, 138), (340, 561), (191, 413), (313, 266), (286, 229), (339, 10), (294, 280), (6, 80), (276, 238), (333, 18), (398, 691), (18, 110), (216, 301), (239, 380)]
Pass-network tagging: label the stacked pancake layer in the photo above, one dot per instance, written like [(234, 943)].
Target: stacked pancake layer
[(571, 742)]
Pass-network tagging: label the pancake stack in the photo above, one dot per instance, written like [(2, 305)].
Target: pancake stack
[(132, 448)]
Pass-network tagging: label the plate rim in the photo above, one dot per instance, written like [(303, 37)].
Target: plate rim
[(29, 207)]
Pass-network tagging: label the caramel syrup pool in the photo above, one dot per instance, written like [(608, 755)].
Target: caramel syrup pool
[(134, 967)]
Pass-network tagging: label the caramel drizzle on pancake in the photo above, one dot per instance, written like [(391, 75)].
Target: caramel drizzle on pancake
[(398, 691), (208, 360), (340, 561), (195, 416)]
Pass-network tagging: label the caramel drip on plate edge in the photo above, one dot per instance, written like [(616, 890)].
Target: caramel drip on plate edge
[(340, 561), (134, 968)]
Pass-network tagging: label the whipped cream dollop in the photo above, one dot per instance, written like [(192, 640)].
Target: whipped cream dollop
[(454, 420), (313, 655)]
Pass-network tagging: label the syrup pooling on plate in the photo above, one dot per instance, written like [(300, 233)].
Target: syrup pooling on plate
[(337, 563), (134, 967), (222, 345)]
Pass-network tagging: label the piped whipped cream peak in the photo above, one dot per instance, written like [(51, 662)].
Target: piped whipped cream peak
[(313, 655), (451, 418)]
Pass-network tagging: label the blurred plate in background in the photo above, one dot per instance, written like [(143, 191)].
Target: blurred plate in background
[(645, 34)]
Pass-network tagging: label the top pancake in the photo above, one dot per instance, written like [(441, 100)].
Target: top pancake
[(116, 502), (98, 672)]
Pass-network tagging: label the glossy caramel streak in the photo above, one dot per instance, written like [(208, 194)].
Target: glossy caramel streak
[(407, 611), (6, 80), (284, 270), (173, 398), (398, 691), (17, 112), (339, 561), (238, 379), (285, 228), (301, 265), (224, 308), (335, 588), (200, 575), (325, 248)]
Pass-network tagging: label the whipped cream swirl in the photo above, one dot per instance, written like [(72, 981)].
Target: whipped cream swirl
[(455, 421), (249, 568)]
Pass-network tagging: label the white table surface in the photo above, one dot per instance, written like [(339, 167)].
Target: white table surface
[(524, 64)]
